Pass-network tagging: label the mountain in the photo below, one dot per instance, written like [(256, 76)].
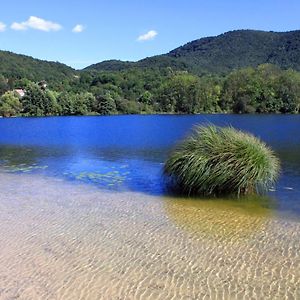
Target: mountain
[(223, 53), (158, 61), (22, 66), (239, 49), (111, 65), (220, 55)]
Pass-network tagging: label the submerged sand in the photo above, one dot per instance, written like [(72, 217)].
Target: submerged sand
[(65, 241)]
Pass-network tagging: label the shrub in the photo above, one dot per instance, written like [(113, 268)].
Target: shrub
[(218, 161)]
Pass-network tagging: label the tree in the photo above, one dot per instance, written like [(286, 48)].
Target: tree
[(288, 91), (241, 85), (83, 103), (180, 94), (51, 106), (3, 85), (39, 102), (66, 103), (10, 104), (105, 104), (209, 92)]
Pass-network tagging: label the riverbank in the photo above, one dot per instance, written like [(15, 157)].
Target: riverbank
[(67, 241)]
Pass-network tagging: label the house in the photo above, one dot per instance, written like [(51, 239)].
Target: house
[(20, 92)]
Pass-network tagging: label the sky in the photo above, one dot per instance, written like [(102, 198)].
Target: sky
[(80, 33)]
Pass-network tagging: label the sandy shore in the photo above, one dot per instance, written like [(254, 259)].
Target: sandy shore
[(65, 241)]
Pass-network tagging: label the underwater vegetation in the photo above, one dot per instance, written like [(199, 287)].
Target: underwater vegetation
[(23, 168), (106, 179)]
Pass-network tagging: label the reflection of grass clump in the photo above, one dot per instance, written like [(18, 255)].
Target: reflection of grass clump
[(215, 160)]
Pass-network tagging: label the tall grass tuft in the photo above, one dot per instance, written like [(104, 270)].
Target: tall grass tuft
[(222, 160)]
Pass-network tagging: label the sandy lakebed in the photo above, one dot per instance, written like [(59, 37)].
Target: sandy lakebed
[(61, 240)]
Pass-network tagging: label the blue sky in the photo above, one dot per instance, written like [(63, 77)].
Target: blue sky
[(132, 29)]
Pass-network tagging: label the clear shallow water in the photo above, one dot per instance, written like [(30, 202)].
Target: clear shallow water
[(64, 241), (126, 153)]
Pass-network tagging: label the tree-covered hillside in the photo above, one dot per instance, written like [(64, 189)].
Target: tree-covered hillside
[(17, 66), (224, 74), (239, 49), (224, 53), (265, 89)]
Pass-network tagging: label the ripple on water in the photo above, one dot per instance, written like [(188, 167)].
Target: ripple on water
[(65, 241)]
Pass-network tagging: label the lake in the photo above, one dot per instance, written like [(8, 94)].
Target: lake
[(85, 213), (128, 152)]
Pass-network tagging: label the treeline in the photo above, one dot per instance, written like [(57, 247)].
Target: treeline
[(265, 89)]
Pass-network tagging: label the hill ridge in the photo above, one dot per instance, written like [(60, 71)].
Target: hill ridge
[(223, 53)]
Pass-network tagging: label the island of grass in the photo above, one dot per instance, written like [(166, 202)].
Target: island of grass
[(220, 161)]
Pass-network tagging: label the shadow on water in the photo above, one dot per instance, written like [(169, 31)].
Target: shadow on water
[(221, 218)]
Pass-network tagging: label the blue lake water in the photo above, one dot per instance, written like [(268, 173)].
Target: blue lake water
[(127, 152)]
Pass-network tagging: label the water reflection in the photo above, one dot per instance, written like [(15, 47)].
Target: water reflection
[(230, 219)]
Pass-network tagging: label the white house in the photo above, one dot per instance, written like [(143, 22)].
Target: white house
[(20, 92)]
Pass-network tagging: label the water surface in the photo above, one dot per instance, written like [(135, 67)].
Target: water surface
[(127, 152)]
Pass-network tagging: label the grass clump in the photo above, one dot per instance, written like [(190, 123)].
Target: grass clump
[(222, 160)]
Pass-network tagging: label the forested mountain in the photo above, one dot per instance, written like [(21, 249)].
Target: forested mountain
[(242, 71), (153, 62), (217, 55), (111, 65), (224, 53), (239, 49), (19, 66)]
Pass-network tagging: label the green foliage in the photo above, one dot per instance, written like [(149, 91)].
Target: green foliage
[(265, 89), (239, 49), (186, 93), (38, 102), (222, 54), (180, 94), (105, 104), (3, 85), (214, 161), (20, 66), (66, 102), (10, 104)]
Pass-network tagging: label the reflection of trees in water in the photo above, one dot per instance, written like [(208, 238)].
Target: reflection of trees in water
[(220, 218)]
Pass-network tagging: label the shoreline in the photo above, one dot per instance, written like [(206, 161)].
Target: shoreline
[(155, 114)]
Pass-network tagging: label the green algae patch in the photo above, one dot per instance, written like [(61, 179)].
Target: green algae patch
[(110, 178)]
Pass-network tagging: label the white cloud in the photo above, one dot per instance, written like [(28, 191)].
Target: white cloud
[(18, 26), (2, 27), (78, 28), (150, 35), (36, 23)]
